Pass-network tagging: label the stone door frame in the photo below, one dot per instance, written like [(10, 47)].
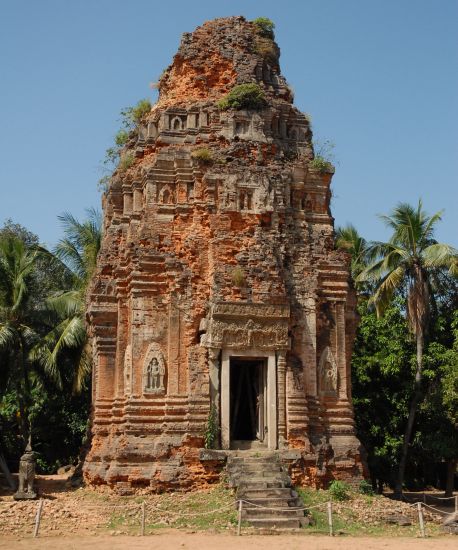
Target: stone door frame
[(270, 358)]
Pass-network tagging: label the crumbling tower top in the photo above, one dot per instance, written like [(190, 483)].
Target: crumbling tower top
[(219, 55)]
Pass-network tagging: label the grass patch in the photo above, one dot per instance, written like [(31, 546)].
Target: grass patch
[(356, 517), (213, 509), (238, 277), (203, 155), (320, 164)]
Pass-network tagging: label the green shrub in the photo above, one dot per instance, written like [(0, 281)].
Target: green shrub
[(339, 490), (211, 429), (121, 138), (203, 155), (265, 27), (244, 96), (238, 277), (132, 116), (126, 162), (365, 488), (320, 164)]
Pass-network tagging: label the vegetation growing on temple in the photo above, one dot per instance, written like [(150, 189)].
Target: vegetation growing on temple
[(244, 96)]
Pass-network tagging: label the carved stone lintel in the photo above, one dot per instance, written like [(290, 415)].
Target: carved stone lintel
[(245, 326)]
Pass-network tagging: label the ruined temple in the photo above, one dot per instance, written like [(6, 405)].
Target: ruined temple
[(220, 306)]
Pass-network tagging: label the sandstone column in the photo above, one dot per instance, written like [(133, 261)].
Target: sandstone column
[(214, 374), (281, 370)]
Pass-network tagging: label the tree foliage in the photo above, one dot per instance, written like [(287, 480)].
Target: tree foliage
[(43, 341)]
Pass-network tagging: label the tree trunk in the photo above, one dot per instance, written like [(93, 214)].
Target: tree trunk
[(450, 481), (412, 411)]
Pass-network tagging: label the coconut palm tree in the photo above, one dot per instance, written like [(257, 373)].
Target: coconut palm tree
[(18, 332), (347, 238), (409, 262), (78, 251)]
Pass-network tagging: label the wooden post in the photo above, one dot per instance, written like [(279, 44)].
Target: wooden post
[(38, 518), (143, 518), (239, 525), (420, 519), (456, 504), (331, 530)]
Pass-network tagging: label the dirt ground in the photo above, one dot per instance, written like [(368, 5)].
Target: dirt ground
[(202, 541)]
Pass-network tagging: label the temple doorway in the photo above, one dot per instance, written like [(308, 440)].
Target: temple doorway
[(248, 402)]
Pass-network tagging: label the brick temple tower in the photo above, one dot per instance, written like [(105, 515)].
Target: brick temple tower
[(218, 290)]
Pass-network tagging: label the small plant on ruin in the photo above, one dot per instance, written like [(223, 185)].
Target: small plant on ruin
[(320, 165), (322, 161), (211, 429), (126, 162), (267, 49), (132, 116), (130, 119), (244, 96), (365, 488), (265, 27), (339, 490), (238, 277), (203, 155), (121, 138)]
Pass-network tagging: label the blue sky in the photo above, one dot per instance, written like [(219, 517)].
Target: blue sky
[(379, 79)]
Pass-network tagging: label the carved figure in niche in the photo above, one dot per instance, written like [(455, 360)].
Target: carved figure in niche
[(26, 475), (176, 123), (327, 371), (166, 195), (154, 373), (128, 370)]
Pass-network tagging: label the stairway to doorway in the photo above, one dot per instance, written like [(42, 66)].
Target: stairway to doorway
[(265, 488)]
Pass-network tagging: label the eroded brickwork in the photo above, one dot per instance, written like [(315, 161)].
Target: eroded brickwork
[(204, 261)]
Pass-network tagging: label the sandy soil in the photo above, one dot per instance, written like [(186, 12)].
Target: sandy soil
[(202, 541)]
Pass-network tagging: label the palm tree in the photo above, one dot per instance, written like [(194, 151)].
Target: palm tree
[(347, 238), (410, 262), (78, 251), (18, 332)]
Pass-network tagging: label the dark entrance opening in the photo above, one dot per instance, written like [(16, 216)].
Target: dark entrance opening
[(247, 399)]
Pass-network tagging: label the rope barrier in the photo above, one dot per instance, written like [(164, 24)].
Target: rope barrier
[(276, 509), (437, 509), (156, 513)]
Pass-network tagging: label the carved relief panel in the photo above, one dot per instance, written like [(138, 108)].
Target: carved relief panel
[(154, 370), (245, 326), (328, 379)]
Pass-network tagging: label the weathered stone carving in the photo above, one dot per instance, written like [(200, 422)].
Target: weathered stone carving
[(154, 370), (245, 326), (128, 370), (26, 475), (327, 372)]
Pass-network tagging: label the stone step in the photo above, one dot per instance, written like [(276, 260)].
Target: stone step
[(253, 494), (267, 470), (248, 513), (279, 502), (260, 484), (267, 457), (277, 523)]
